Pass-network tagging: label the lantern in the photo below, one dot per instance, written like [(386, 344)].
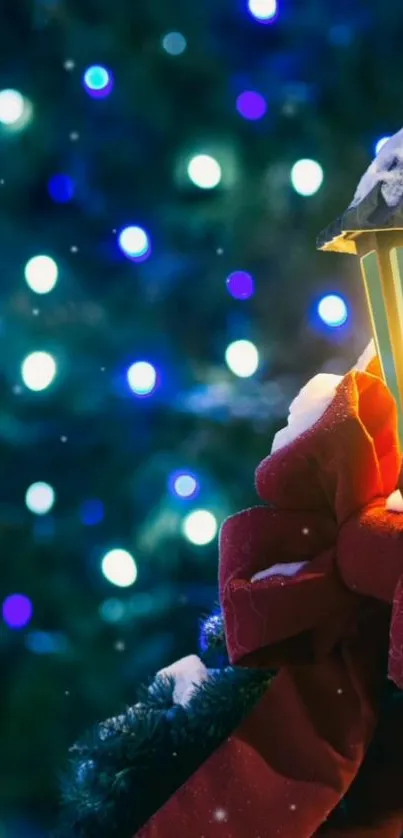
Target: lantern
[(372, 229)]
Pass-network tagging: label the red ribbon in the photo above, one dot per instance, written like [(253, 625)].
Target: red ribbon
[(329, 489)]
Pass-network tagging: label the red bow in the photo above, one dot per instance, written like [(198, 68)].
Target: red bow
[(329, 489)]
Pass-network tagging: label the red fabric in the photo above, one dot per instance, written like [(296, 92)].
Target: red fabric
[(289, 764)]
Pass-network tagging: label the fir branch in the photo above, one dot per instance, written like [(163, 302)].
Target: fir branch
[(116, 782)]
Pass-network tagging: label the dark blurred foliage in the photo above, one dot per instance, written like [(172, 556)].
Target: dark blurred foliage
[(331, 74)]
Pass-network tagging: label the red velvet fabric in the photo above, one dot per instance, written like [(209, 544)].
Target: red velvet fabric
[(291, 762)]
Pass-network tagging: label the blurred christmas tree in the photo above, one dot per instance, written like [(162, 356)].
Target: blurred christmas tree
[(165, 167)]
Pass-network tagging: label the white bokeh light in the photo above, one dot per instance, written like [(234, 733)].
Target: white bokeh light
[(204, 171), (38, 370), (242, 358), (134, 242), (119, 568), (306, 177), (263, 9), (41, 274), (142, 378), (12, 105), (200, 527), (40, 498), (332, 310)]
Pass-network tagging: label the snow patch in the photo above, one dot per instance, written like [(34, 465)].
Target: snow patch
[(188, 673), (307, 408), (394, 502), (387, 168), (290, 569), (313, 400), (367, 356)]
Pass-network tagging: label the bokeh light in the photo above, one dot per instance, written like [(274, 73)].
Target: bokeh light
[(17, 611), (204, 171), (98, 81), (200, 527), (240, 285), (92, 512), (112, 610), (41, 273), (174, 43), (135, 243), (242, 358), (61, 188), (306, 177), (40, 498), (12, 105), (142, 378), (380, 144), (183, 484), (38, 371), (265, 11), (119, 568), (333, 310), (251, 105)]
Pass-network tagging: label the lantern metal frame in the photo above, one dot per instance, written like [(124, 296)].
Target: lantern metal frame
[(373, 231)]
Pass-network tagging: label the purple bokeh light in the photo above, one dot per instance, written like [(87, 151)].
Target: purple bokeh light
[(240, 285), (251, 105), (17, 611)]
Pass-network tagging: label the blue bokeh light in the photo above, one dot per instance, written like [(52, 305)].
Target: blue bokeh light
[(174, 43), (135, 243), (61, 188), (332, 310), (98, 81), (183, 484), (92, 512), (17, 611)]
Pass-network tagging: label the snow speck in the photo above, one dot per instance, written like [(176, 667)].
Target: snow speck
[(220, 815), (387, 168)]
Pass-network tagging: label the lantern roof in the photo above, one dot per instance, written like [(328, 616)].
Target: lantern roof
[(377, 204)]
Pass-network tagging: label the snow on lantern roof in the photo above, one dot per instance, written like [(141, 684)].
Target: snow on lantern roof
[(377, 204)]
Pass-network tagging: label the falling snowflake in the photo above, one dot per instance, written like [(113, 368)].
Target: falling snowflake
[(305, 531)]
